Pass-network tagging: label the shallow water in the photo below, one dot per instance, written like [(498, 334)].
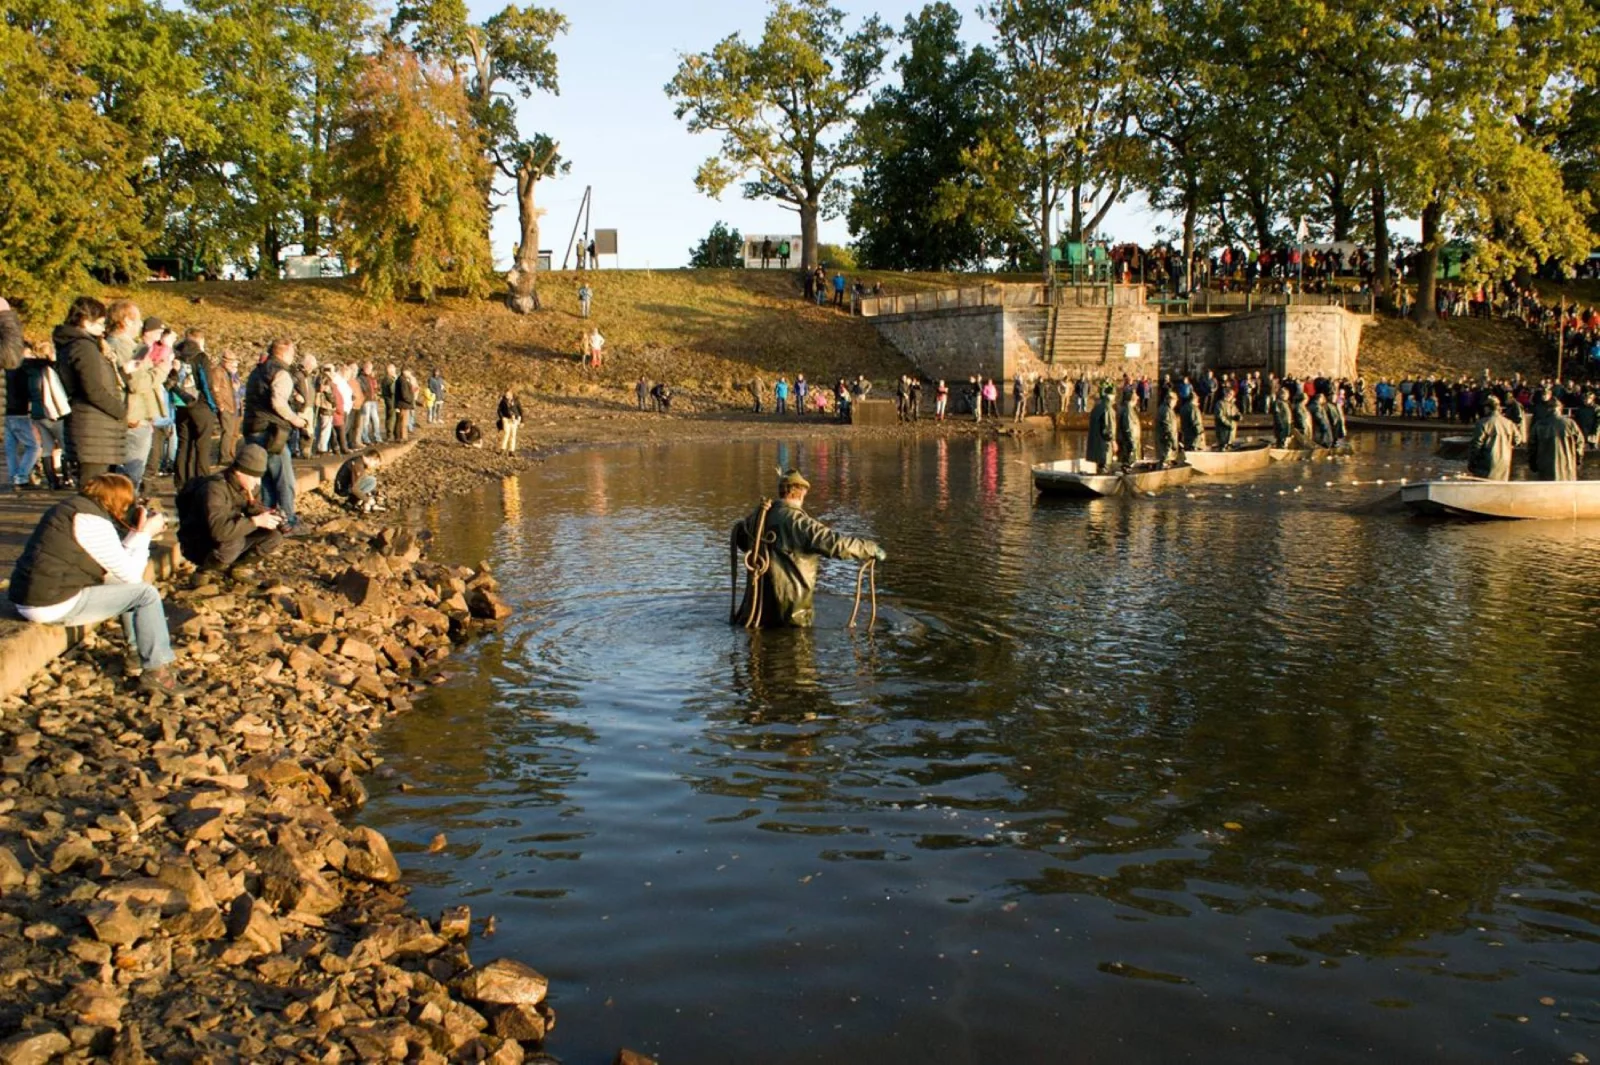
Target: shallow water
[(1227, 774)]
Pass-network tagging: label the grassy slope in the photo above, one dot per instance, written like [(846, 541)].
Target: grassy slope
[(702, 331)]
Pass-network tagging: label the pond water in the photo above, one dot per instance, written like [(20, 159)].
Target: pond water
[(1156, 779)]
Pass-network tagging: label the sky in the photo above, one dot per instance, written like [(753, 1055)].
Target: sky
[(615, 124)]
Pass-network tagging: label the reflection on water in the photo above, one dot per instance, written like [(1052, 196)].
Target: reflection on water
[(1145, 779)]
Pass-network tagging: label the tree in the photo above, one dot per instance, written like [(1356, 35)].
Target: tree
[(411, 167), (1483, 82), (917, 133), (722, 248), (787, 109), (1061, 138), (67, 171), (508, 53)]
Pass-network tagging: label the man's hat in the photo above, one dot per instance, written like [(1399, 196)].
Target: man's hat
[(152, 325), (792, 479), (251, 460)]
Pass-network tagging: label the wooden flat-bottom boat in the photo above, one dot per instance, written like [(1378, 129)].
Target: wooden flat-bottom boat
[(1082, 479), (1504, 500), (1241, 458), (1310, 454)]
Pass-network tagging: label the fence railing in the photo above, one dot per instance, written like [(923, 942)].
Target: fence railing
[(1009, 295)]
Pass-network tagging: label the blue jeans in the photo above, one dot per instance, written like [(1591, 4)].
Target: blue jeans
[(144, 619), (277, 487), (137, 454), (22, 447), (371, 423)]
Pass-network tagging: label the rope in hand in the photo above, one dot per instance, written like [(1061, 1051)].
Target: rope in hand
[(869, 573), (756, 562)]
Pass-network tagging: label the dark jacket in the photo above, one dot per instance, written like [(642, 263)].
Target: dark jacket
[(259, 414), (796, 543), (350, 473), (97, 428), (53, 566), (212, 511), (405, 393), (10, 348), (508, 409)]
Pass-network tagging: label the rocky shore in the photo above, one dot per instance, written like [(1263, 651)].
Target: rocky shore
[(177, 883)]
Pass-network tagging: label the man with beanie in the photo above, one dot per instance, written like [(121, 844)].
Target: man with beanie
[(220, 524)]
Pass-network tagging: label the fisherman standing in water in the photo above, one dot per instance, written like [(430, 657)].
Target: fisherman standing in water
[(1494, 442), (1129, 430), (1227, 418), (1282, 419), (781, 545), (1102, 431)]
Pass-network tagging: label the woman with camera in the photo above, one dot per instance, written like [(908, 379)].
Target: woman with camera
[(85, 563)]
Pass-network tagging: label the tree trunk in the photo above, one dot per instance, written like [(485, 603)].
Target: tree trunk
[(522, 294), (810, 257), (1427, 309), (1380, 237), (1340, 207), (1075, 231)]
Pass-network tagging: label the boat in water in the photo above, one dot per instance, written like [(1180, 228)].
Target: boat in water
[(1241, 458), (1082, 479), (1472, 497)]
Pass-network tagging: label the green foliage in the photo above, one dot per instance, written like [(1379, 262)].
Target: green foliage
[(410, 165), (1063, 116), (787, 108), (836, 256), (67, 171), (917, 133), (722, 248)]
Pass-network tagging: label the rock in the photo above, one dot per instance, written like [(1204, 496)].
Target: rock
[(291, 883), (632, 1057), (519, 1022), (305, 661), (427, 617), (370, 857), (251, 924), (33, 1048), (148, 891), (456, 922), (358, 651), (115, 923), (184, 878), (11, 872), (362, 590), (383, 1040), (95, 1003), (505, 982), (509, 1052), (488, 606), (195, 924), (70, 852), (315, 610)]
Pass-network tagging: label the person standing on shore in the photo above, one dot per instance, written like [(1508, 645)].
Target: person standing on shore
[(1282, 419), (224, 377), (641, 392), (585, 298), (77, 570), (782, 592), (800, 391), (268, 419), (48, 409), (1494, 443), (508, 419), (436, 388), (941, 400), (11, 356), (1019, 387), (197, 418), (780, 396), (97, 428), (405, 404), (914, 398)]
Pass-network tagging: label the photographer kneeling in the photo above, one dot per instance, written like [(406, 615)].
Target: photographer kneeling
[(220, 524), (79, 569)]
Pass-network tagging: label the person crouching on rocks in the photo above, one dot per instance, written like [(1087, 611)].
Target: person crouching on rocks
[(85, 563), (467, 434), (357, 482), (221, 526)]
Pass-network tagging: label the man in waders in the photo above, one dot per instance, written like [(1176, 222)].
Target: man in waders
[(781, 545)]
